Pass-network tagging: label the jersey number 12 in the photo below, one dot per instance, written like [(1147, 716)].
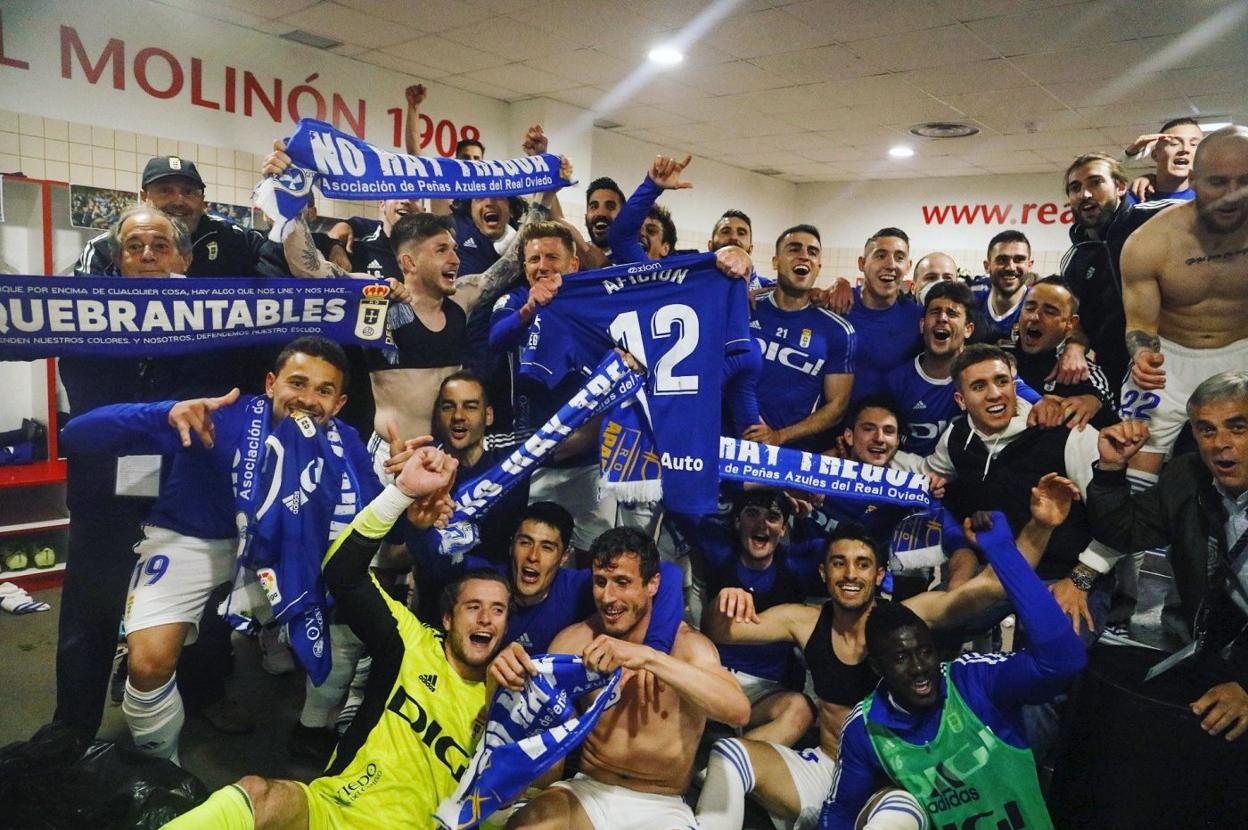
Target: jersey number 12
[(676, 319)]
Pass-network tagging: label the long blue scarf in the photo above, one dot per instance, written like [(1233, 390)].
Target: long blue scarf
[(127, 316), (610, 383), (526, 733), (741, 460), (345, 167), (293, 488)]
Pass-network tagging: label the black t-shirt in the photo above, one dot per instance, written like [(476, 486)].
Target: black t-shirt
[(415, 346)]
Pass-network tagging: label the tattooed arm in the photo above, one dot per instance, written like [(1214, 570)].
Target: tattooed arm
[(304, 260), (1142, 259)]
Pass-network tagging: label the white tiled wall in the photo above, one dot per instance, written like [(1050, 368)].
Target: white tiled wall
[(64, 151)]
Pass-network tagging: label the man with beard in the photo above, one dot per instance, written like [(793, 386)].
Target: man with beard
[(547, 596), (415, 732), (603, 201), (644, 230), (925, 715), (638, 760), (887, 324), (191, 536), (790, 784), (808, 352), (1000, 295), (1183, 291), (1095, 188), (1050, 313)]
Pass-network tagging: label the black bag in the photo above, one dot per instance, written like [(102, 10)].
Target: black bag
[(48, 783)]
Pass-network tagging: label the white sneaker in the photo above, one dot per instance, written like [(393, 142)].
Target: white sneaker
[(275, 656)]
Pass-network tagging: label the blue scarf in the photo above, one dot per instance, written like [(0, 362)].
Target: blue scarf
[(610, 382), (130, 317), (741, 460), (345, 167), (526, 733), (293, 489)]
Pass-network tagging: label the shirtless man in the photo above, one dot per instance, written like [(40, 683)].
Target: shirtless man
[(638, 760), (404, 389), (792, 784), (1184, 275)]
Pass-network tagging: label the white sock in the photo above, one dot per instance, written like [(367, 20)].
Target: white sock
[(897, 810), (16, 601), (729, 776), (155, 719), (1140, 480), (319, 702), (355, 696)]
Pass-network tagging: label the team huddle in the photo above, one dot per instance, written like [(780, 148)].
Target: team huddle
[(796, 650)]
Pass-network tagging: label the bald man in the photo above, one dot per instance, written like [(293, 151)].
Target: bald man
[(931, 269), (1184, 275)]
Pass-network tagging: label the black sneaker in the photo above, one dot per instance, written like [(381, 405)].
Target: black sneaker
[(312, 744)]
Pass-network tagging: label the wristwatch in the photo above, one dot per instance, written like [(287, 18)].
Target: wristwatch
[(1082, 577)]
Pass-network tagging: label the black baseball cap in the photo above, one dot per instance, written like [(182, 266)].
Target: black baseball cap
[(164, 167)]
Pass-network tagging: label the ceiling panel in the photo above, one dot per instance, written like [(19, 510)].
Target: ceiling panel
[(818, 89), (342, 23)]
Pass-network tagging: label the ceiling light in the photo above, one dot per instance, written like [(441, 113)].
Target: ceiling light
[(901, 151), (943, 129), (1210, 126), (666, 55), (309, 39)]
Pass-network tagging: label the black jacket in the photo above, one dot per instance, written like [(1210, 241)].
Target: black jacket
[(1184, 511), (220, 248)]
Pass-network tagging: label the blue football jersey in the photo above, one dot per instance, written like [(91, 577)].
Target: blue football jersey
[(886, 340), (679, 317), (1002, 330), (926, 403), (799, 348)]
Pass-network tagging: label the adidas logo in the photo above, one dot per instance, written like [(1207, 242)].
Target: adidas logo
[(373, 264), (469, 243), (754, 324), (920, 405), (430, 681), (525, 641), (293, 502)]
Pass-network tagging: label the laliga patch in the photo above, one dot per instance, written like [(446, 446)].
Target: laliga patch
[(268, 582), (805, 339), (370, 319), (307, 426), (213, 249)]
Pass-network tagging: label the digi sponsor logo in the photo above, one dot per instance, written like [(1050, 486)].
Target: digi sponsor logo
[(445, 748)]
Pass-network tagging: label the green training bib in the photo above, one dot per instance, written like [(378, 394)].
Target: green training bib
[(967, 778)]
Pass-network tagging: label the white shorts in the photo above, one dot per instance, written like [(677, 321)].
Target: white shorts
[(576, 490), (812, 772), (756, 688), (173, 578), (379, 449), (1165, 410), (611, 807)]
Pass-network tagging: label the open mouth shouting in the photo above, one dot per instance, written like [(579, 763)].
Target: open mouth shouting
[(491, 218), (483, 638), (923, 687), (529, 576), (801, 270), (941, 334), (1031, 336)]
